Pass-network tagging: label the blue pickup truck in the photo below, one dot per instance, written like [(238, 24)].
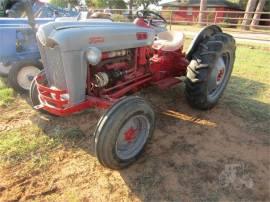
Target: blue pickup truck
[(19, 54)]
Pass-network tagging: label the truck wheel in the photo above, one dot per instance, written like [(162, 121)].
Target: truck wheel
[(22, 73), (209, 70), (123, 131)]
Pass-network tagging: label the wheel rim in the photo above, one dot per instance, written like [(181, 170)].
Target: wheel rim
[(132, 137), (218, 76), (26, 75)]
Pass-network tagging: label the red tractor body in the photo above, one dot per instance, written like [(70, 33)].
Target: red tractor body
[(127, 71)]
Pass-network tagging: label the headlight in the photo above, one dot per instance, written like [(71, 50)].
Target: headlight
[(93, 55)]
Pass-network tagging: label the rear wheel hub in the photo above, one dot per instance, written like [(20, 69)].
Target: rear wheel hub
[(220, 71), (218, 75)]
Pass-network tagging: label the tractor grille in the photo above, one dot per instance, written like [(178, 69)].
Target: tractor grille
[(65, 71), (53, 66)]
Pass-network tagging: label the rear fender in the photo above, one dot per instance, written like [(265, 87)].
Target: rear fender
[(202, 34)]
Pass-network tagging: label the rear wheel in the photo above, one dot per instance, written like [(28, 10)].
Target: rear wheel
[(123, 131), (209, 70), (22, 73)]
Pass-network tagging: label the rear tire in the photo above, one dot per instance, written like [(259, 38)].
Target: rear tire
[(209, 70), (22, 73), (123, 131)]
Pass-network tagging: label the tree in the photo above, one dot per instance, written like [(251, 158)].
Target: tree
[(88, 3), (145, 3), (99, 3), (112, 4), (64, 3), (257, 16), (130, 6), (248, 14), (203, 7), (117, 4)]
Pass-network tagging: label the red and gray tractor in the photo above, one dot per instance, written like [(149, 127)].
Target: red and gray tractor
[(100, 64)]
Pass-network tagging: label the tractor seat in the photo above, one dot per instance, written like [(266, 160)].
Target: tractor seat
[(169, 41)]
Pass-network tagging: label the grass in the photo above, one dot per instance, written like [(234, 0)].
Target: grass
[(6, 94), (249, 89), (23, 144)]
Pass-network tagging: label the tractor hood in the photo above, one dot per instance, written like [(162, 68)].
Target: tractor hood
[(105, 35)]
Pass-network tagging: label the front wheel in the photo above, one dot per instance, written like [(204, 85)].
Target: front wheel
[(34, 95), (123, 131), (209, 70), (22, 73)]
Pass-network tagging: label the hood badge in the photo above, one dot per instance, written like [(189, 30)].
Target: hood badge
[(96, 39)]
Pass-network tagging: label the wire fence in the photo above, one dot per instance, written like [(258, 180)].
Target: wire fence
[(225, 18)]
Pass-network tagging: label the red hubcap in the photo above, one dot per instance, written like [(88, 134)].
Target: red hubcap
[(130, 135), (220, 75)]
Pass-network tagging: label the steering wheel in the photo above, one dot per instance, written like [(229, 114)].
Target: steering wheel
[(152, 18)]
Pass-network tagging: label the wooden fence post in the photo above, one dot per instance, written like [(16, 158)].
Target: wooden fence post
[(257, 15), (203, 7), (171, 13), (248, 14)]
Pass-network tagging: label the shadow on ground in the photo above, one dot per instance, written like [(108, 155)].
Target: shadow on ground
[(193, 155)]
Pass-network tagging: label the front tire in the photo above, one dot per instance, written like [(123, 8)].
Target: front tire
[(22, 73), (209, 70), (123, 131), (34, 96)]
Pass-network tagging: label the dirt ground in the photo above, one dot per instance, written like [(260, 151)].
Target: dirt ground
[(193, 156)]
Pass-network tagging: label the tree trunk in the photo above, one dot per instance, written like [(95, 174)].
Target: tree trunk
[(247, 17), (257, 16), (130, 6), (203, 7)]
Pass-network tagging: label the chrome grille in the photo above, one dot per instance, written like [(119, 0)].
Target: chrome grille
[(53, 66)]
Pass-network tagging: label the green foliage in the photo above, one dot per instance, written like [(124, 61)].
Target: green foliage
[(6, 94), (146, 3), (89, 3), (117, 4), (112, 4), (99, 3), (2, 8), (22, 144), (267, 6), (64, 3), (242, 3), (119, 18)]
